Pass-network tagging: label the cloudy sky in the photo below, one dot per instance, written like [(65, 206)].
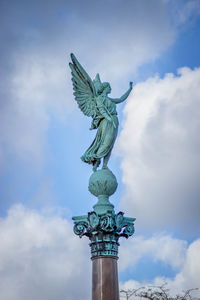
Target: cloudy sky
[(155, 44)]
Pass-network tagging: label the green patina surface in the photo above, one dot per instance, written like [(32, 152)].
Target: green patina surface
[(92, 98), (102, 226), (104, 231)]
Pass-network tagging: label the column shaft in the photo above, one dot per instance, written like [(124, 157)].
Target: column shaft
[(105, 279)]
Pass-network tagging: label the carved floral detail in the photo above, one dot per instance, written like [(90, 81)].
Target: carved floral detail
[(80, 228), (107, 223), (104, 231)]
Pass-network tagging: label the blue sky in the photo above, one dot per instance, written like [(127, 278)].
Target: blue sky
[(44, 183)]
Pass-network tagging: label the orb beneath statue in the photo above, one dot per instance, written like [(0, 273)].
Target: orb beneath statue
[(102, 182)]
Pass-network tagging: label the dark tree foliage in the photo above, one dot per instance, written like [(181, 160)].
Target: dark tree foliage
[(157, 293)]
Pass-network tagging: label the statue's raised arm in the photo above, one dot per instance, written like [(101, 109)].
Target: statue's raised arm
[(124, 96), (92, 98)]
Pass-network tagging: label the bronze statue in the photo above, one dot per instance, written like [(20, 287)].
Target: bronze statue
[(92, 98)]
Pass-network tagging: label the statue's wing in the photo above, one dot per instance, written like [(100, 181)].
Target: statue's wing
[(83, 86), (97, 82)]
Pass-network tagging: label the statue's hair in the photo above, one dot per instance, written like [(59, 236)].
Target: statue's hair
[(102, 87)]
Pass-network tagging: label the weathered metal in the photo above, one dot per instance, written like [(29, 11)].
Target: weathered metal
[(92, 98), (102, 226), (105, 279), (104, 231)]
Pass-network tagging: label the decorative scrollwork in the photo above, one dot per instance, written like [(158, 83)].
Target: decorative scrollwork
[(107, 223), (128, 231), (80, 228), (119, 220), (104, 231)]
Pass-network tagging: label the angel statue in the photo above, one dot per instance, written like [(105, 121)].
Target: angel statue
[(92, 98)]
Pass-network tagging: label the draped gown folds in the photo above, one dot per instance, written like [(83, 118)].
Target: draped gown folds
[(92, 99), (106, 133)]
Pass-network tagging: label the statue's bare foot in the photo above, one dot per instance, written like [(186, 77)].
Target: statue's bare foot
[(97, 163), (94, 168), (105, 167)]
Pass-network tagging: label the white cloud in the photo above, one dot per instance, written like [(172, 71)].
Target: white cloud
[(36, 74), (121, 47), (160, 247), (186, 11), (190, 273), (38, 90), (186, 278), (35, 59), (41, 258), (160, 148)]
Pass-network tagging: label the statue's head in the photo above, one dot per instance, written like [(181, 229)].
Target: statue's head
[(104, 87)]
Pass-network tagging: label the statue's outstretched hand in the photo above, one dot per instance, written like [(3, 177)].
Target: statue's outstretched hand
[(131, 85)]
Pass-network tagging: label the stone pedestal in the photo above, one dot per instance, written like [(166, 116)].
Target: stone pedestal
[(105, 279), (104, 227)]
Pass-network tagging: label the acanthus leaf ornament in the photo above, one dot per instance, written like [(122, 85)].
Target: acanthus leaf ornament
[(104, 231)]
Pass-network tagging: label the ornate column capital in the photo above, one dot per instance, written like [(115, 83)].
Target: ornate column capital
[(104, 231), (102, 226)]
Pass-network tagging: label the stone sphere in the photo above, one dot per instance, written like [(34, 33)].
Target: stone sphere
[(102, 182)]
